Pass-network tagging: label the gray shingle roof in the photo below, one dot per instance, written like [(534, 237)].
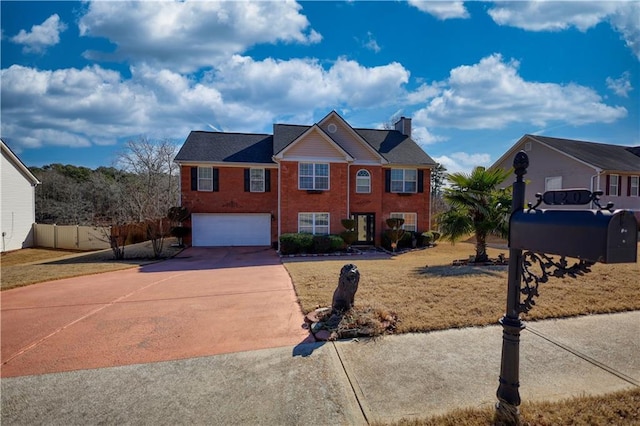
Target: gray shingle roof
[(396, 147), (226, 147), (604, 156), (202, 146)]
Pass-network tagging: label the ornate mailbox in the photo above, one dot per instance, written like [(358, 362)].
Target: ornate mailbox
[(592, 235)]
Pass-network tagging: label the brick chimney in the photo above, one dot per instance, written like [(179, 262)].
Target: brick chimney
[(404, 126)]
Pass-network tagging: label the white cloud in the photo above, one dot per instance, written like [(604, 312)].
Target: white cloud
[(186, 36), (285, 86), (74, 107), (620, 86), (462, 162), (491, 95), (583, 15), (442, 9), (41, 36), (424, 137)]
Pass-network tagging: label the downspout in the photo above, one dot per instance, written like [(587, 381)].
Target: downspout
[(348, 190), (430, 201), (279, 201)]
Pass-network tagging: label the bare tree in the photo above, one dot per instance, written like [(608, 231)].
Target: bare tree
[(153, 187)]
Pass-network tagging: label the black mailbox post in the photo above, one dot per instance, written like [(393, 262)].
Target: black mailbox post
[(589, 235), (593, 235)]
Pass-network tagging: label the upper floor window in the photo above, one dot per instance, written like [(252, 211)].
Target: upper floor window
[(256, 181), (314, 176), (634, 185), (314, 223), (205, 178), (404, 180), (410, 220), (363, 182), (553, 183), (613, 187)]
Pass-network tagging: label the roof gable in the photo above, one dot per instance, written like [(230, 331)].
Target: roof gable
[(18, 164), (345, 136), (314, 143)]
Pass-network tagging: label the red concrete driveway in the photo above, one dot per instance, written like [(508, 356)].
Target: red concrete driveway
[(205, 301)]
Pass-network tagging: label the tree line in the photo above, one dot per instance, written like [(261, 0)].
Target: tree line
[(142, 185)]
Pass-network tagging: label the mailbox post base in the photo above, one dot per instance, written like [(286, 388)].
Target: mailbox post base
[(507, 414), (508, 394)]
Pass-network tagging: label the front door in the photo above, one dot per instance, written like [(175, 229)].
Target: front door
[(365, 226)]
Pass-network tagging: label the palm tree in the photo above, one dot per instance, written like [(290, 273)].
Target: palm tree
[(477, 205)]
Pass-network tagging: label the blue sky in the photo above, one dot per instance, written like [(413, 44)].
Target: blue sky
[(81, 78)]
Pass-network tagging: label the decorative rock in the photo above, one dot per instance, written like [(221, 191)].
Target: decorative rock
[(316, 327), (317, 315)]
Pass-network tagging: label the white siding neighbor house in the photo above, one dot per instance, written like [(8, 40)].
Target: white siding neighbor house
[(566, 164), (18, 212)]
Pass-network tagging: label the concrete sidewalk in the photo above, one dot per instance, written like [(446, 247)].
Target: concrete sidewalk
[(347, 382)]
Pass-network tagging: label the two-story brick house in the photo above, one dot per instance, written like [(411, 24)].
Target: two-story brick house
[(248, 189)]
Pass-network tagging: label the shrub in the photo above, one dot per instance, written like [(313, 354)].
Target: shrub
[(337, 243), (430, 237), (349, 224), (388, 237), (296, 243), (321, 244), (349, 237)]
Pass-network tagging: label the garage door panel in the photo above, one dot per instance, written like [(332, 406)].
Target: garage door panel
[(217, 229)]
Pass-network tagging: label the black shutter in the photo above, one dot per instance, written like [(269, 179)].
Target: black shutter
[(607, 185), (387, 180), (420, 180), (628, 186), (216, 180), (267, 180), (194, 178), (619, 185), (247, 180)]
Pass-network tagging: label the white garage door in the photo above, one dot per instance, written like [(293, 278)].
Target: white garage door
[(217, 229)]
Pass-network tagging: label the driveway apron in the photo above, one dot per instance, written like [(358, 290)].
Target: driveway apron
[(205, 301)]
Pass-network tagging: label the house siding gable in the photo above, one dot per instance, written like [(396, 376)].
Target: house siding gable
[(314, 145), (18, 207)]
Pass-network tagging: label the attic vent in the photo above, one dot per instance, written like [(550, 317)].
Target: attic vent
[(527, 146), (332, 128)]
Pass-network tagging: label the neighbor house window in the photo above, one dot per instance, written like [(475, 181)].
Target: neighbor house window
[(634, 184), (404, 180), (205, 178), (363, 182), (614, 185), (553, 183), (314, 223), (313, 176), (257, 180), (410, 220)]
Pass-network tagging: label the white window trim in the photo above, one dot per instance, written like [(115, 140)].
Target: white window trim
[(549, 179), (637, 186), (617, 186), (368, 191), (314, 177), (404, 181), (403, 215), (313, 226), (251, 180), (205, 179)]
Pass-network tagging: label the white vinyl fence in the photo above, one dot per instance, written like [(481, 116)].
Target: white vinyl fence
[(71, 237)]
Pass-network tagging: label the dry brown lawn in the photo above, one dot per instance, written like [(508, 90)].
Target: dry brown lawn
[(34, 265), (620, 408), (428, 293)]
